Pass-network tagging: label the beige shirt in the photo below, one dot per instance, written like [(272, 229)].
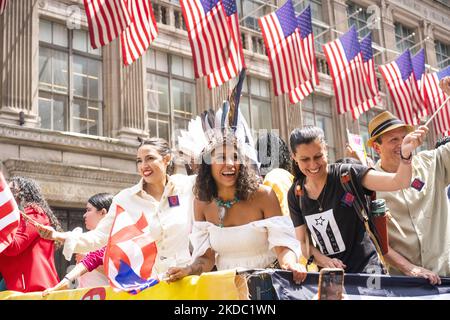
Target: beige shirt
[(169, 226), (423, 215)]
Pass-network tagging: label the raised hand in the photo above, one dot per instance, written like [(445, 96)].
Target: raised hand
[(413, 140)]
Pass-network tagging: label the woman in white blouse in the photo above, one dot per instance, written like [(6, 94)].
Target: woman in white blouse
[(238, 222), (166, 202)]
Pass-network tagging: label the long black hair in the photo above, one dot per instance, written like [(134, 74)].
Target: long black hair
[(163, 148), (304, 135), (27, 193), (101, 201)]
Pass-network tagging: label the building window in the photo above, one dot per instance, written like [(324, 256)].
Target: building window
[(403, 38), (70, 80), (359, 20), (442, 54), (316, 111), (317, 20), (251, 11), (170, 88), (255, 104)]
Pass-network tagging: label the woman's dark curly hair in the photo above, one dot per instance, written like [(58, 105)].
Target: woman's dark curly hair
[(205, 188), (27, 193)]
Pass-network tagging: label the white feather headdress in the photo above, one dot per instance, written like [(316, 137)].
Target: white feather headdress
[(210, 129)]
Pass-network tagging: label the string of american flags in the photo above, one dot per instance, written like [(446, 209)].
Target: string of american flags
[(217, 51)]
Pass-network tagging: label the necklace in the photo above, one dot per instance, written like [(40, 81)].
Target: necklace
[(226, 203), (323, 195), (223, 206)]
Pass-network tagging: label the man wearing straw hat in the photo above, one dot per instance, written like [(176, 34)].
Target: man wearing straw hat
[(421, 210)]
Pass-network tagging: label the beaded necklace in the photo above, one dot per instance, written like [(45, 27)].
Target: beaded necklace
[(223, 206)]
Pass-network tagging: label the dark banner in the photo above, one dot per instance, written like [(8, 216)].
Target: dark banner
[(279, 285)]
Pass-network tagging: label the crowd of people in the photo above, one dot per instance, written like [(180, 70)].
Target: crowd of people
[(294, 210)]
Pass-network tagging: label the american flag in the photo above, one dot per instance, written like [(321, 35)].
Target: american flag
[(130, 253), (3, 4), (235, 62), (9, 215), (369, 67), (310, 77), (350, 81), (140, 33), (209, 34), (401, 82), (418, 63), (435, 98), (107, 19), (282, 46)]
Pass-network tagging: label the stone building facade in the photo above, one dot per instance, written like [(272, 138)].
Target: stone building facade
[(70, 115)]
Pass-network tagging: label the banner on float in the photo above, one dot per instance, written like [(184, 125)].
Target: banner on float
[(223, 285), (361, 287)]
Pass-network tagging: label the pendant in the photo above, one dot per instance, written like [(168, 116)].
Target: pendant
[(320, 209)]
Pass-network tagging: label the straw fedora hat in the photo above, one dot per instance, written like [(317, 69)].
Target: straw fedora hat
[(383, 123)]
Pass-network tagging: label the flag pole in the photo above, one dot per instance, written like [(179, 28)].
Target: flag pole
[(437, 111)]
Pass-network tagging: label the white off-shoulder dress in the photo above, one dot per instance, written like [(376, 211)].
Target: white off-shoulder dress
[(249, 246)]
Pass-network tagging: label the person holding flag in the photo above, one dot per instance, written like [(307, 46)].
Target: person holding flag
[(147, 228), (28, 263), (421, 210)]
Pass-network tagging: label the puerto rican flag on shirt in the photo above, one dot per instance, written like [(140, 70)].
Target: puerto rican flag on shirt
[(130, 253)]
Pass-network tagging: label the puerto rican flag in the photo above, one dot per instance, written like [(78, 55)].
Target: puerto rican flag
[(130, 253), (435, 98), (9, 215)]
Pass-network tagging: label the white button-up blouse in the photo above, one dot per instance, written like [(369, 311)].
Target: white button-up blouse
[(170, 225)]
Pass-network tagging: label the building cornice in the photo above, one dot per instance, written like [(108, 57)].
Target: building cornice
[(70, 173), (67, 141)]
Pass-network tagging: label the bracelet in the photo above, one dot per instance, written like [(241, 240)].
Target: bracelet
[(310, 260), (403, 158), (65, 277)]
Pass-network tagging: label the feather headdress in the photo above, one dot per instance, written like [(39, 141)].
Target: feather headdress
[(210, 129)]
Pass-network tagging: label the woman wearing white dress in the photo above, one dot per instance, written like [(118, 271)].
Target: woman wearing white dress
[(238, 222)]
